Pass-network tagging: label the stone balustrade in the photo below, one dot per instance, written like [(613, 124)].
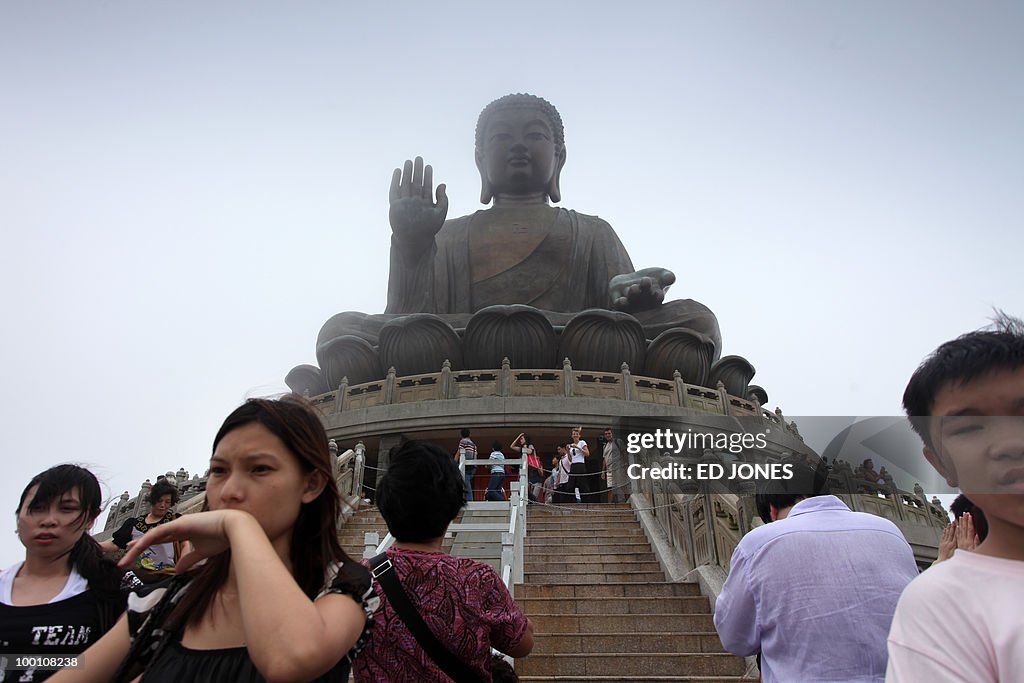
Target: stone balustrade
[(348, 473), (565, 383), (704, 523)]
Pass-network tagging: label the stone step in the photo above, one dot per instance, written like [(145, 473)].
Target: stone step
[(360, 533), (566, 540), (639, 663), (625, 518), (594, 556), (607, 590), (581, 519), (634, 679), (571, 532), (636, 577), (618, 548), (552, 643), (622, 623), (559, 513), (572, 566), (579, 522), (634, 605), (585, 506)]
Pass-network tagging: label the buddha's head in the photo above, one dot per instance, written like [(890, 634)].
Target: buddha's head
[(520, 147)]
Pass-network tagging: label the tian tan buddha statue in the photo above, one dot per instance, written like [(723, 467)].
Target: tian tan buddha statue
[(522, 279)]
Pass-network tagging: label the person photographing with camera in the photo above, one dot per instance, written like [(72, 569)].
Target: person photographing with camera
[(579, 481)]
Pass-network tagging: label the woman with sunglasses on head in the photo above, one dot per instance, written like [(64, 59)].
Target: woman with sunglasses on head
[(277, 598), (64, 595)]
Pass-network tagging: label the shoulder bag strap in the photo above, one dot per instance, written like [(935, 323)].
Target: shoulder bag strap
[(458, 670)]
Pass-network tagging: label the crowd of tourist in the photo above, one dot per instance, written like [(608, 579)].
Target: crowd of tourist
[(257, 588), (574, 473)]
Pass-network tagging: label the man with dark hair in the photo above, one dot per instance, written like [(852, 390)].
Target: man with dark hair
[(813, 592), (960, 620)]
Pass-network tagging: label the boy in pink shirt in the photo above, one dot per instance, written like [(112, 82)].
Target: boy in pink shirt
[(961, 619)]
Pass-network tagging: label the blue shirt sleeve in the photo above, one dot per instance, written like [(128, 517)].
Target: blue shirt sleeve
[(735, 611)]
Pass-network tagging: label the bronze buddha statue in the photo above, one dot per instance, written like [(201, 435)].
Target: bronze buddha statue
[(521, 257)]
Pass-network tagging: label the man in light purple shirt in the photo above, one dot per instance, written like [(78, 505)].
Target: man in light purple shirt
[(814, 592)]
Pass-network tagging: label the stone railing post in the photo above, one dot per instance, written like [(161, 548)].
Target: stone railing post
[(505, 383), (710, 521), (141, 501), (332, 449), (677, 379), (446, 379), (370, 541), (339, 398), (567, 378), (627, 382), (389, 386), (723, 397), (757, 409)]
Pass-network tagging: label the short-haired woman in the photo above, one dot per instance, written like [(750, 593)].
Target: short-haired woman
[(463, 602), (156, 562)]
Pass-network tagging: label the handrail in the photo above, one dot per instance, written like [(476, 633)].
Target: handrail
[(702, 522), (536, 382)]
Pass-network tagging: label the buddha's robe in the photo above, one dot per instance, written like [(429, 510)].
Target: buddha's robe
[(561, 268)]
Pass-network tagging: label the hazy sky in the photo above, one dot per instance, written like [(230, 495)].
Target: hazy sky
[(187, 192)]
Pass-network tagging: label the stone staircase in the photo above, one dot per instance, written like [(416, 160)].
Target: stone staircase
[(601, 609), (476, 545), (351, 535)]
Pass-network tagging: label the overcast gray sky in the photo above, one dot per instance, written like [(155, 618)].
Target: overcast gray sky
[(187, 191)]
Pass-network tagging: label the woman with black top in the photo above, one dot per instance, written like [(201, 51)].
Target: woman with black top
[(277, 598), (156, 563), (64, 595)]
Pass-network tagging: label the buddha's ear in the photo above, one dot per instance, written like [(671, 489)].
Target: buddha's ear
[(554, 190), (485, 187)]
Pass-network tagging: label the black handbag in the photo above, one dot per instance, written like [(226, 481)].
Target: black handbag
[(456, 669)]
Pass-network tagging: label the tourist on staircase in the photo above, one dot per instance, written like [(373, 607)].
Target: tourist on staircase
[(439, 615), (535, 473), (156, 563), (563, 467), (468, 450), (579, 481), (495, 490)]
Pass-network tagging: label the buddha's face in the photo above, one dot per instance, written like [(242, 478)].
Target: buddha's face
[(519, 152)]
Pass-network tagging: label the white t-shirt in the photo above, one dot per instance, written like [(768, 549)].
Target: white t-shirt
[(576, 452), (563, 470), (960, 621), (72, 587)]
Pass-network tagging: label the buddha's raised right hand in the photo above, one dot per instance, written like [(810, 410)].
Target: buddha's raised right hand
[(414, 216)]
